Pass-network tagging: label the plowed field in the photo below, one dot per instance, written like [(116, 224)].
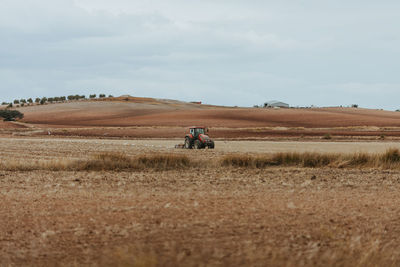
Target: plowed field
[(152, 118), (118, 114), (204, 215)]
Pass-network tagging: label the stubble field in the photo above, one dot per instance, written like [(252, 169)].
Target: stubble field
[(203, 214)]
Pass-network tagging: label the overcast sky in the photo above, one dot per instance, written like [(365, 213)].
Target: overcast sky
[(227, 52)]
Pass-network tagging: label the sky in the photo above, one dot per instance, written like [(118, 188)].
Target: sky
[(223, 52)]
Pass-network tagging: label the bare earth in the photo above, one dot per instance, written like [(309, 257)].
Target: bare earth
[(201, 216), (153, 118)]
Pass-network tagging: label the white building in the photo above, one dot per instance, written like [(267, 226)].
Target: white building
[(275, 104)]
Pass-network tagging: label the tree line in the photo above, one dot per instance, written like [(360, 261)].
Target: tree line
[(44, 100)]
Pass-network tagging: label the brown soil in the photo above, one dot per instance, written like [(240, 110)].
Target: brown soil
[(151, 118), (172, 113), (200, 216), (9, 125), (278, 217), (220, 133)]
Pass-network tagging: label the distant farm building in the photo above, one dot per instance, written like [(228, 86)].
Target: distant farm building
[(275, 104)]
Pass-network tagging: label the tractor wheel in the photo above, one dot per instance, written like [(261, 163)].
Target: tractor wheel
[(212, 145), (188, 144), (197, 144)]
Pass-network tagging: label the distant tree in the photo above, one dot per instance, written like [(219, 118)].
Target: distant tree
[(50, 99), (30, 101), (37, 100), (22, 101), (70, 97), (43, 101), (4, 103), (110, 96), (82, 97), (16, 101), (11, 115), (63, 98), (10, 105), (93, 96), (102, 95)]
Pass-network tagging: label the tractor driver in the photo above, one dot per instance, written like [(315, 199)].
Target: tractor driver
[(198, 131)]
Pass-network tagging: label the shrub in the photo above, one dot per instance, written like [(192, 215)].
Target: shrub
[(11, 115), (93, 96), (327, 136), (102, 95)]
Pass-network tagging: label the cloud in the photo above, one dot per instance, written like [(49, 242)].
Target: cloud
[(221, 52)]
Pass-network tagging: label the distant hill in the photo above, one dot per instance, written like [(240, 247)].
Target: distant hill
[(134, 111)]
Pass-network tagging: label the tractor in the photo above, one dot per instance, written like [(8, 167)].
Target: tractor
[(197, 138)]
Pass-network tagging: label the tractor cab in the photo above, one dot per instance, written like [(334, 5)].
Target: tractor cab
[(196, 131)]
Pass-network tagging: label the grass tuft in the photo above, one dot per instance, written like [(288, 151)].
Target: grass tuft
[(163, 162), (391, 156), (118, 162), (388, 160)]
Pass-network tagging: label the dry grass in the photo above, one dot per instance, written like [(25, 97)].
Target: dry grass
[(119, 162), (102, 162), (388, 160), (114, 161), (134, 215)]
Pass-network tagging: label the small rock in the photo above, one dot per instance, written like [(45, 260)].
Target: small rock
[(291, 205), (313, 177)]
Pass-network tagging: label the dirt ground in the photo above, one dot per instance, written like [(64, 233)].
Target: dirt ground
[(200, 216), (138, 118), (153, 112), (53, 148)]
